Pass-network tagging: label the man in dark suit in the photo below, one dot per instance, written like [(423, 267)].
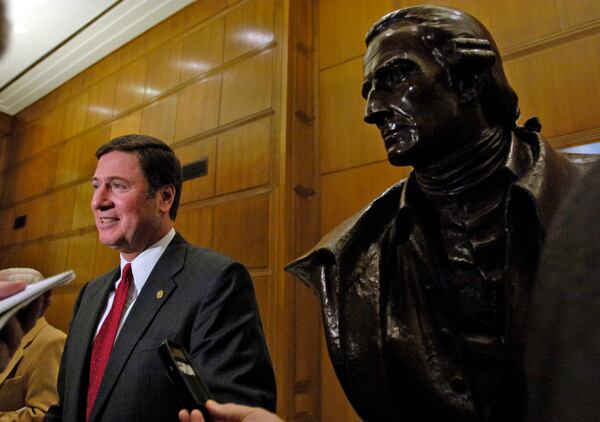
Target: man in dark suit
[(165, 288)]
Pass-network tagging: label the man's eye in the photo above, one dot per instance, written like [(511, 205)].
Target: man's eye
[(117, 187)]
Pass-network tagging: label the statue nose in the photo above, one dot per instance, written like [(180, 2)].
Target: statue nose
[(376, 109), (375, 113)]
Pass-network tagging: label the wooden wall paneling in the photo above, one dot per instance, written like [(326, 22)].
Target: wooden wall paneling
[(66, 91), (262, 287), (31, 255), (334, 404), (69, 295), (101, 101), (23, 255), (8, 253), (54, 312), (105, 258), (307, 352), (560, 86), (164, 67), (55, 256), (198, 108), (23, 185), (241, 230), (75, 115), (90, 142), (195, 225), (244, 158), (67, 169), (581, 11), (202, 49), (128, 124), (200, 11), (158, 119), (25, 143), (342, 28), (35, 211), (6, 226), (61, 205), (248, 27), (82, 212), (301, 373), (202, 187), (38, 217), (51, 126), (346, 192), (345, 139), (247, 87), (131, 85), (469, 6), (528, 21), (80, 256)]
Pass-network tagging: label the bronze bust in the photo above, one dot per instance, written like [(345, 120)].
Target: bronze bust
[(425, 293)]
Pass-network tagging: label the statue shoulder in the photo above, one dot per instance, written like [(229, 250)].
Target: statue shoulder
[(371, 220)]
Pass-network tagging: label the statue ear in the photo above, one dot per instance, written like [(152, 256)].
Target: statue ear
[(475, 57), (470, 85)]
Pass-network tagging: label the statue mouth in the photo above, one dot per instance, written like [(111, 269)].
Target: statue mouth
[(398, 136)]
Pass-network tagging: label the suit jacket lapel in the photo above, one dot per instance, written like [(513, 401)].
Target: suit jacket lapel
[(141, 316), (82, 332), (12, 364)]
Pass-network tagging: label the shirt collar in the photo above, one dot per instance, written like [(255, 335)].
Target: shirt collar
[(143, 264)]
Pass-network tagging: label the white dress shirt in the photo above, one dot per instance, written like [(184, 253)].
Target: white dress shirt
[(141, 267)]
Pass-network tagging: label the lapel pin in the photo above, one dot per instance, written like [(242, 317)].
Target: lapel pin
[(160, 294)]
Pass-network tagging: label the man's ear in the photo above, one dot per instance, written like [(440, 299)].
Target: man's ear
[(166, 196)]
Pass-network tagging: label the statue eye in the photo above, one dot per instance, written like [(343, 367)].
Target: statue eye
[(394, 78), (395, 75)]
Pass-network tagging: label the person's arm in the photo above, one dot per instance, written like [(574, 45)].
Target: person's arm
[(227, 346), (230, 412)]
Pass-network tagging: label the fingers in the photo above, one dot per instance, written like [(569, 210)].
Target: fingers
[(195, 416), (9, 288)]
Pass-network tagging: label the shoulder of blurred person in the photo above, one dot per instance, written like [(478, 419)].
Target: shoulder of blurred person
[(563, 345)]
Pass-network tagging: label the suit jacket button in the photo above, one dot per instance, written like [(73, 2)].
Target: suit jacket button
[(160, 294)]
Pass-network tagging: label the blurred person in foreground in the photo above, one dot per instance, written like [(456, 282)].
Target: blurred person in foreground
[(12, 332), (28, 383)]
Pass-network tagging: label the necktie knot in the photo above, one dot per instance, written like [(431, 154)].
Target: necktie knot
[(126, 275)]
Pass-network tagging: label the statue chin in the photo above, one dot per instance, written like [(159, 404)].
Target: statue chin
[(401, 155)]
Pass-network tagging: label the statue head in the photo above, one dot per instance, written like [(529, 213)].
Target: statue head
[(433, 81)]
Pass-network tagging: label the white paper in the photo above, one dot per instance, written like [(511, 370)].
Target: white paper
[(11, 305)]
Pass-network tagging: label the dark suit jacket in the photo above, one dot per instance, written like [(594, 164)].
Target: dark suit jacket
[(207, 305)]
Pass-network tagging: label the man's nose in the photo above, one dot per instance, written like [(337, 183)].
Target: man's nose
[(376, 109), (100, 199)]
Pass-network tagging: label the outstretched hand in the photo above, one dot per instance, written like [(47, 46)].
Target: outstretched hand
[(230, 412)]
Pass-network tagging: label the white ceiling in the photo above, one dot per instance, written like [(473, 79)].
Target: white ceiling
[(50, 41)]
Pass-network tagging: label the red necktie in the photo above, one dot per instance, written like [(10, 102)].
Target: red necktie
[(103, 343)]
